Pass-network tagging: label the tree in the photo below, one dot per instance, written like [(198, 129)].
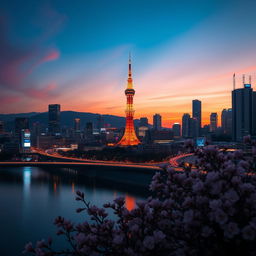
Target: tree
[(206, 210)]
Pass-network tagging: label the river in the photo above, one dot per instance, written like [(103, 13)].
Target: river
[(31, 198)]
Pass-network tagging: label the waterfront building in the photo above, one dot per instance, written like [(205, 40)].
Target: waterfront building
[(21, 123), (54, 119)]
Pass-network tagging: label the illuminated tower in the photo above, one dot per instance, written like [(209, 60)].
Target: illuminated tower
[(129, 138)]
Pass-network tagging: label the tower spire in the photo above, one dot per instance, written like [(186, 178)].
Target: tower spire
[(234, 81), (129, 80)]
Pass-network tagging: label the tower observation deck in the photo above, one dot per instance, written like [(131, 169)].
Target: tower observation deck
[(129, 138)]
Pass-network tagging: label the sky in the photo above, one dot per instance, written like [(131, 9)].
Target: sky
[(75, 53)]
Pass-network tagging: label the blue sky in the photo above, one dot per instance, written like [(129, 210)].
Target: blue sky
[(75, 53)]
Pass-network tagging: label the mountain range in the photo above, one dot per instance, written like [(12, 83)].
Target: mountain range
[(67, 119)]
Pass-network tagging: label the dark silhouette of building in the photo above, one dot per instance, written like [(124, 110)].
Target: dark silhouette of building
[(213, 122), (1, 127), (21, 123), (242, 111), (197, 114), (144, 121), (157, 122), (54, 119), (176, 129), (185, 125), (226, 121), (193, 128), (100, 122), (77, 122)]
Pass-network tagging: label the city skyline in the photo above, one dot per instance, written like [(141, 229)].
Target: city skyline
[(188, 59)]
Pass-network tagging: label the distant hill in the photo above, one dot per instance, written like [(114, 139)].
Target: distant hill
[(67, 119)]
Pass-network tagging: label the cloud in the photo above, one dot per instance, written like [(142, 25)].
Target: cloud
[(18, 62)]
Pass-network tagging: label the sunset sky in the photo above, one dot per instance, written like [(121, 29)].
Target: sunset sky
[(75, 53)]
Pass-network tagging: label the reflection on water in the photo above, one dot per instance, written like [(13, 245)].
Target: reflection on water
[(32, 197), (26, 180), (129, 202)]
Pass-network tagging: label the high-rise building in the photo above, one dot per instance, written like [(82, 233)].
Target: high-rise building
[(129, 138), (144, 121), (176, 129), (100, 122), (197, 114), (254, 114), (157, 122), (1, 127), (21, 123), (89, 129), (193, 127), (54, 119), (77, 124), (185, 125), (213, 122), (242, 111), (226, 121)]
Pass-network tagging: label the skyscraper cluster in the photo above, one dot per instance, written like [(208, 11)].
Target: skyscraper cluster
[(243, 111)]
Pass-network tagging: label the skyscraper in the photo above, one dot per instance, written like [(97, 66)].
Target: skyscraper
[(197, 114), (54, 119), (226, 121), (242, 111), (176, 129), (185, 125), (157, 122), (21, 123), (213, 122), (1, 127), (77, 124), (129, 138)]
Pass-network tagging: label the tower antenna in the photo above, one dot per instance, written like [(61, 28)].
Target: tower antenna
[(234, 81)]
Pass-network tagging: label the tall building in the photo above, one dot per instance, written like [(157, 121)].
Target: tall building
[(21, 123), (77, 127), (176, 129), (89, 129), (254, 114), (157, 122), (213, 122), (144, 121), (54, 119), (243, 111), (129, 138), (100, 122), (193, 128), (197, 114), (185, 125), (1, 127), (226, 121)]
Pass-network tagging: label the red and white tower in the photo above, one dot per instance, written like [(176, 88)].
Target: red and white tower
[(129, 138)]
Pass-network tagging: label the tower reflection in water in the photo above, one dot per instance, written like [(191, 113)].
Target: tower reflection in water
[(129, 202)]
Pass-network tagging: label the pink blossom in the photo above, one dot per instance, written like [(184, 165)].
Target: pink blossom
[(248, 232), (149, 242), (231, 229)]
